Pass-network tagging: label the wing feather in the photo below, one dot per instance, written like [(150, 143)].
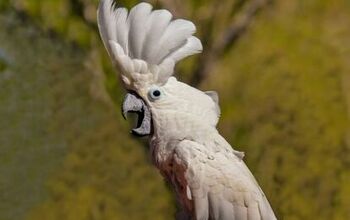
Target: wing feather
[(229, 192)]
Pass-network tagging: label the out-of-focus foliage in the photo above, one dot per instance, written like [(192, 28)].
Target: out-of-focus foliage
[(284, 90), (64, 152), (286, 103)]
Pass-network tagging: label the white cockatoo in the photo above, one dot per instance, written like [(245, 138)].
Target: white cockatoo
[(209, 178)]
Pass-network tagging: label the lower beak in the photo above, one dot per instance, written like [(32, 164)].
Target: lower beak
[(134, 104)]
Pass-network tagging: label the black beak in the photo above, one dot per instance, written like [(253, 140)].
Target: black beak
[(134, 104)]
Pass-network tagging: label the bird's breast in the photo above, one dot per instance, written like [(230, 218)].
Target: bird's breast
[(174, 171)]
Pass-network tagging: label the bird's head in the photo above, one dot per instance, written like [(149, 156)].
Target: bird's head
[(145, 45), (174, 107)]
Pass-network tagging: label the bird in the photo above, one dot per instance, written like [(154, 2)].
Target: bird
[(209, 177)]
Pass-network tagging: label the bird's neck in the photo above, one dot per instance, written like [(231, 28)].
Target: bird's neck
[(170, 128)]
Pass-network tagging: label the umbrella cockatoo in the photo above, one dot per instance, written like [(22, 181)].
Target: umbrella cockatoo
[(209, 178)]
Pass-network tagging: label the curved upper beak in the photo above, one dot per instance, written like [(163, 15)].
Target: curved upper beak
[(134, 104)]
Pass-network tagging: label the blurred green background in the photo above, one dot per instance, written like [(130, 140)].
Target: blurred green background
[(282, 70)]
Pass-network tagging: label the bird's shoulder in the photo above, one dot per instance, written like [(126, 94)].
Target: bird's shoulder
[(215, 166)]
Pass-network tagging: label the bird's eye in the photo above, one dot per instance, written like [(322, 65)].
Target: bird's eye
[(154, 93)]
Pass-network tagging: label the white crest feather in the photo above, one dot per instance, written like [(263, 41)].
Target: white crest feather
[(145, 41)]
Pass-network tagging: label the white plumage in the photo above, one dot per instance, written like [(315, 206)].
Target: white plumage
[(210, 178), (144, 38)]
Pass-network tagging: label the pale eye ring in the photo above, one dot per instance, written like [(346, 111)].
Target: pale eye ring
[(155, 93)]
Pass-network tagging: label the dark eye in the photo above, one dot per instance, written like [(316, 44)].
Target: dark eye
[(155, 93)]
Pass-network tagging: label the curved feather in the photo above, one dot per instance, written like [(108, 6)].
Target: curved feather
[(137, 29), (158, 23), (150, 36)]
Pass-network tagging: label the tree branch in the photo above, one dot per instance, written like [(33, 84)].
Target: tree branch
[(172, 5), (226, 40)]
